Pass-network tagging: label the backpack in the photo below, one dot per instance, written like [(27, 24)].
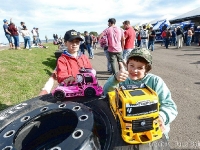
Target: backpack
[(143, 33), (103, 41)]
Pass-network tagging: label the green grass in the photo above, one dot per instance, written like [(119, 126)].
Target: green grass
[(23, 73)]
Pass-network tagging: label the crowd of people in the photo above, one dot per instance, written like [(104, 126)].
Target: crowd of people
[(177, 37), (13, 32)]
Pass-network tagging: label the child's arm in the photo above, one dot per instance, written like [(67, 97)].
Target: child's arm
[(110, 85), (62, 70), (113, 81), (168, 108)]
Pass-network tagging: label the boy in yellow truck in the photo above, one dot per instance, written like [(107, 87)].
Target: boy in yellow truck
[(139, 63)]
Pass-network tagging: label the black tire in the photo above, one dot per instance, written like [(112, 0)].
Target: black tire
[(53, 126), (90, 92), (12, 113), (106, 125)]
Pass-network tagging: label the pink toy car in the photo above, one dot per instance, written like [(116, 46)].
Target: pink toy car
[(86, 85)]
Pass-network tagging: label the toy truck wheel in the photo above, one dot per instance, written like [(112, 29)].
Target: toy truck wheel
[(59, 95), (89, 92)]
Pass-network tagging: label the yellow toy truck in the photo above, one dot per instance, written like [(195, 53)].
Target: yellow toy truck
[(136, 111)]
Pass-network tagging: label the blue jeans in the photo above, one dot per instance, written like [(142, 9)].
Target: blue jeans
[(174, 40), (163, 41), (167, 42), (16, 40), (9, 37), (189, 39), (151, 43), (126, 53), (27, 39), (82, 48), (108, 59), (144, 43), (89, 49)]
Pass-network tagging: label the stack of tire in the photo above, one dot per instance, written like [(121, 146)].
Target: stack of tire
[(77, 123)]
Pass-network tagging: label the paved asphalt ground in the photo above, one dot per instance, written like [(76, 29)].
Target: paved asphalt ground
[(180, 69)]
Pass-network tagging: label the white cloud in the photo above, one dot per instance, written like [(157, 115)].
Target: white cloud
[(61, 15)]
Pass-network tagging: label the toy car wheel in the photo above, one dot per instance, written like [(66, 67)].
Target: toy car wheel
[(89, 92), (59, 95)]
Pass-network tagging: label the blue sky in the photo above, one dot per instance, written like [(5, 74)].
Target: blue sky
[(58, 16)]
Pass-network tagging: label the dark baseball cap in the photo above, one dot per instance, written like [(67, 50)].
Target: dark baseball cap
[(71, 35)]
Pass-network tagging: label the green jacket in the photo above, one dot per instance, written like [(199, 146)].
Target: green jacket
[(168, 109)]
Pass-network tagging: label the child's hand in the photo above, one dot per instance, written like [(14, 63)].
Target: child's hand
[(69, 80), (122, 75), (162, 124), (43, 92)]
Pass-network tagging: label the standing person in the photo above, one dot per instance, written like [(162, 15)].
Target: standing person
[(72, 60), (174, 37), (116, 41), (139, 64), (138, 38), (14, 32), (38, 37), (104, 44), (197, 35), (7, 33), (168, 35), (22, 28), (54, 36), (180, 37), (189, 37), (35, 41), (144, 37), (46, 38), (82, 43), (152, 35), (27, 37), (88, 44), (130, 37), (94, 41), (163, 35)]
